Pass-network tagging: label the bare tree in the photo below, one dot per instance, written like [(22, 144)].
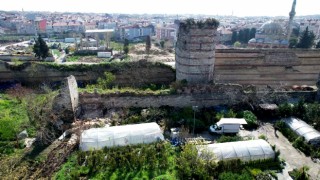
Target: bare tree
[(42, 117)]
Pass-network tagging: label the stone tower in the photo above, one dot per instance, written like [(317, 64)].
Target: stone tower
[(291, 16), (195, 50)]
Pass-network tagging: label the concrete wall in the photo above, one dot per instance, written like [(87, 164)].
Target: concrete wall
[(261, 67)]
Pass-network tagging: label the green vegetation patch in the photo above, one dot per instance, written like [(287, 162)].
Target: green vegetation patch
[(13, 117), (191, 23), (73, 58), (130, 162)]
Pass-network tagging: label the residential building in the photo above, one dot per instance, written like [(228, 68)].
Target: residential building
[(135, 32), (165, 33)]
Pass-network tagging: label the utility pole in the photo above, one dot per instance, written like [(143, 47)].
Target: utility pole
[(194, 108)]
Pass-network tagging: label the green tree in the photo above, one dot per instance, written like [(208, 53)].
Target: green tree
[(241, 36), (252, 33), (40, 48), (66, 50), (193, 166), (246, 35), (126, 46), (234, 37), (293, 42), (162, 44), (318, 45), (148, 44), (237, 44), (306, 39)]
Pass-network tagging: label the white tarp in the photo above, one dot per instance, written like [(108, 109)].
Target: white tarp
[(243, 150), (303, 129), (97, 138)]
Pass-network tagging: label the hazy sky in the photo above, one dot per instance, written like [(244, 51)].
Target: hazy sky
[(210, 7)]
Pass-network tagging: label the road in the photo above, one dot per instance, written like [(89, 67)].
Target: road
[(293, 157), (24, 43)]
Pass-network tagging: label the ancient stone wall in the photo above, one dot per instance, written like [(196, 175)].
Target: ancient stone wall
[(262, 67), (23, 58), (94, 105), (66, 102), (127, 74), (195, 54), (259, 67)]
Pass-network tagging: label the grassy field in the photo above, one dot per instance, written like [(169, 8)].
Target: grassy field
[(13, 117), (56, 52), (13, 120)]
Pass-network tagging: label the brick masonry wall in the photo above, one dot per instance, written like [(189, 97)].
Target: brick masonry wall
[(261, 67)]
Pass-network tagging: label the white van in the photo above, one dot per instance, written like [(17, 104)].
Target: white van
[(227, 125)]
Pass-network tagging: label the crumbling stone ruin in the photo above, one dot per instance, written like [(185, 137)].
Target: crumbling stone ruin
[(65, 104), (195, 50)]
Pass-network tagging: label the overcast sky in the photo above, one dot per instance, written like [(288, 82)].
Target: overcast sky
[(210, 7)]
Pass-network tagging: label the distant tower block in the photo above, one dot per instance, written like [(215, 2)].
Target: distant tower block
[(195, 50)]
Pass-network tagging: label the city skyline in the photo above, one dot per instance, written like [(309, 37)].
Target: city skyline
[(205, 7)]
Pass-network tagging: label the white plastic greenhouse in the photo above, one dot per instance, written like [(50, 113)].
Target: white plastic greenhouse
[(97, 138), (243, 150), (300, 127)]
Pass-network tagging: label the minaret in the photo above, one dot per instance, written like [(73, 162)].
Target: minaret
[(291, 16)]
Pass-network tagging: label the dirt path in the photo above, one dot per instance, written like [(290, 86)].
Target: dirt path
[(293, 157)]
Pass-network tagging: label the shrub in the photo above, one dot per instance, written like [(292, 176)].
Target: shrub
[(312, 114), (300, 144), (199, 125), (225, 114), (105, 82), (245, 175), (191, 166), (285, 110), (262, 136), (299, 110), (251, 119), (224, 138), (287, 132), (300, 174)]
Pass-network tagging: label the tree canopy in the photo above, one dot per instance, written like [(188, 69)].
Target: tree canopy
[(244, 35), (318, 45), (306, 39), (234, 37), (126, 46), (40, 48)]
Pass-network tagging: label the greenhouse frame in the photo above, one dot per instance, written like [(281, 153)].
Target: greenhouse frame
[(244, 150), (303, 129), (98, 138)]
